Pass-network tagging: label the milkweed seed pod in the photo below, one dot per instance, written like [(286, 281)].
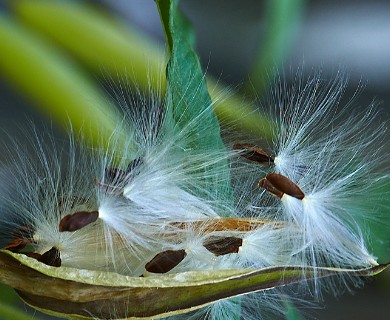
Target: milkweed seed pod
[(155, 205)]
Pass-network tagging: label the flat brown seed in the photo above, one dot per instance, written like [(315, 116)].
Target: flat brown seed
[(115, 175), (51, 257), (285, 185), (253, 153), (223, 245), (165, 261), (78, 220), (17, 244), (22, 236), (267, 185), (34, 255)]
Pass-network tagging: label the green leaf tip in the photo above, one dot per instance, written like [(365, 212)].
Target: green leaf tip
[(188, 100)]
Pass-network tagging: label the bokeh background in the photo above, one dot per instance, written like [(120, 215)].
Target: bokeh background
[(239, 43)]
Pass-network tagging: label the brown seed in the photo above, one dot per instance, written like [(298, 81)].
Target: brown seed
[(51, 257), (115, 175), (34, 255), (22, 236), (223, 245), (264, 183), (165, 261), (78, 220), (253, 153), (17, 244), (279, 184)]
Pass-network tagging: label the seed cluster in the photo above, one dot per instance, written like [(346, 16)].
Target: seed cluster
[(216, 241)]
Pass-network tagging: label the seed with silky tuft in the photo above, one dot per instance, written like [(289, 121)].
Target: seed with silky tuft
[(165, 261), (253, 153), (51, 257), (78, 220), (17, 244), (279, 185), (223, 245), (22, 236)]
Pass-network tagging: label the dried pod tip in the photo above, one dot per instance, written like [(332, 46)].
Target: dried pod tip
[(165, 261), (78, 220), (253, 153), (223, 224)]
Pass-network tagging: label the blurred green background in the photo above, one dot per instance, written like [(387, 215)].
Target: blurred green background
[(56, 56)]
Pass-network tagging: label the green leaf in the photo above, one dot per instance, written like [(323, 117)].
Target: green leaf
[(84, 294), (188, 99), (186, 81)]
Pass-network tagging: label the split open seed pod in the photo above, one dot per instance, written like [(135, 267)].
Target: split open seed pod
[(82, 294)]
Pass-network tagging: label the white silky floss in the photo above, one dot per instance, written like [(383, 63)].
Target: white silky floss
[(147, 202)]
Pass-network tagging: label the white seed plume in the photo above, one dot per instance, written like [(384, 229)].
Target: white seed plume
[(333, 154), (150, 198)]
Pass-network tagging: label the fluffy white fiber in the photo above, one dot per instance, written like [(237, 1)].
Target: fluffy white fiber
[(332, 152), (153, 197)]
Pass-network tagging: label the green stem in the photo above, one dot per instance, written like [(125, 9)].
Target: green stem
[(55, 85), (282, 21), (103, 44)]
